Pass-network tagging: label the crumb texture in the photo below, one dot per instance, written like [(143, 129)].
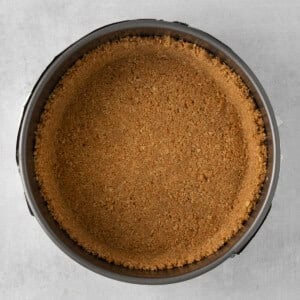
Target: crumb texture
[(150, 153)]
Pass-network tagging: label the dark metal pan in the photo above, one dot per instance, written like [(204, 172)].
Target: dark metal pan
[(34, 108)]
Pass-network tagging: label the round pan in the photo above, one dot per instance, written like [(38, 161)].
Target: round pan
[(34, 108)]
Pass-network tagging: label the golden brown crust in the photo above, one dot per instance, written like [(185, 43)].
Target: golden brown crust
[(150, 153)]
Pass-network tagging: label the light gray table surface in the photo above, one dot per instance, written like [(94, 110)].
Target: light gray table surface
[(266, 34)]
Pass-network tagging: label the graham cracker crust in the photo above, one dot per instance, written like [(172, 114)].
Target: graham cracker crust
[(150, 153)]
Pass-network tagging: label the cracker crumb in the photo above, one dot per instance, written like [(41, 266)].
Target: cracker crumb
[(150, 153)]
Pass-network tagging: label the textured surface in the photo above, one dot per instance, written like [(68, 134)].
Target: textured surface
[(150, 153), (264, 33)]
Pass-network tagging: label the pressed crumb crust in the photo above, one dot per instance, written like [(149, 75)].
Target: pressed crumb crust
[(150, 153)]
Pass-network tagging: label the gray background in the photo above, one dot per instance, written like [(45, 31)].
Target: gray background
[(266, 34)]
